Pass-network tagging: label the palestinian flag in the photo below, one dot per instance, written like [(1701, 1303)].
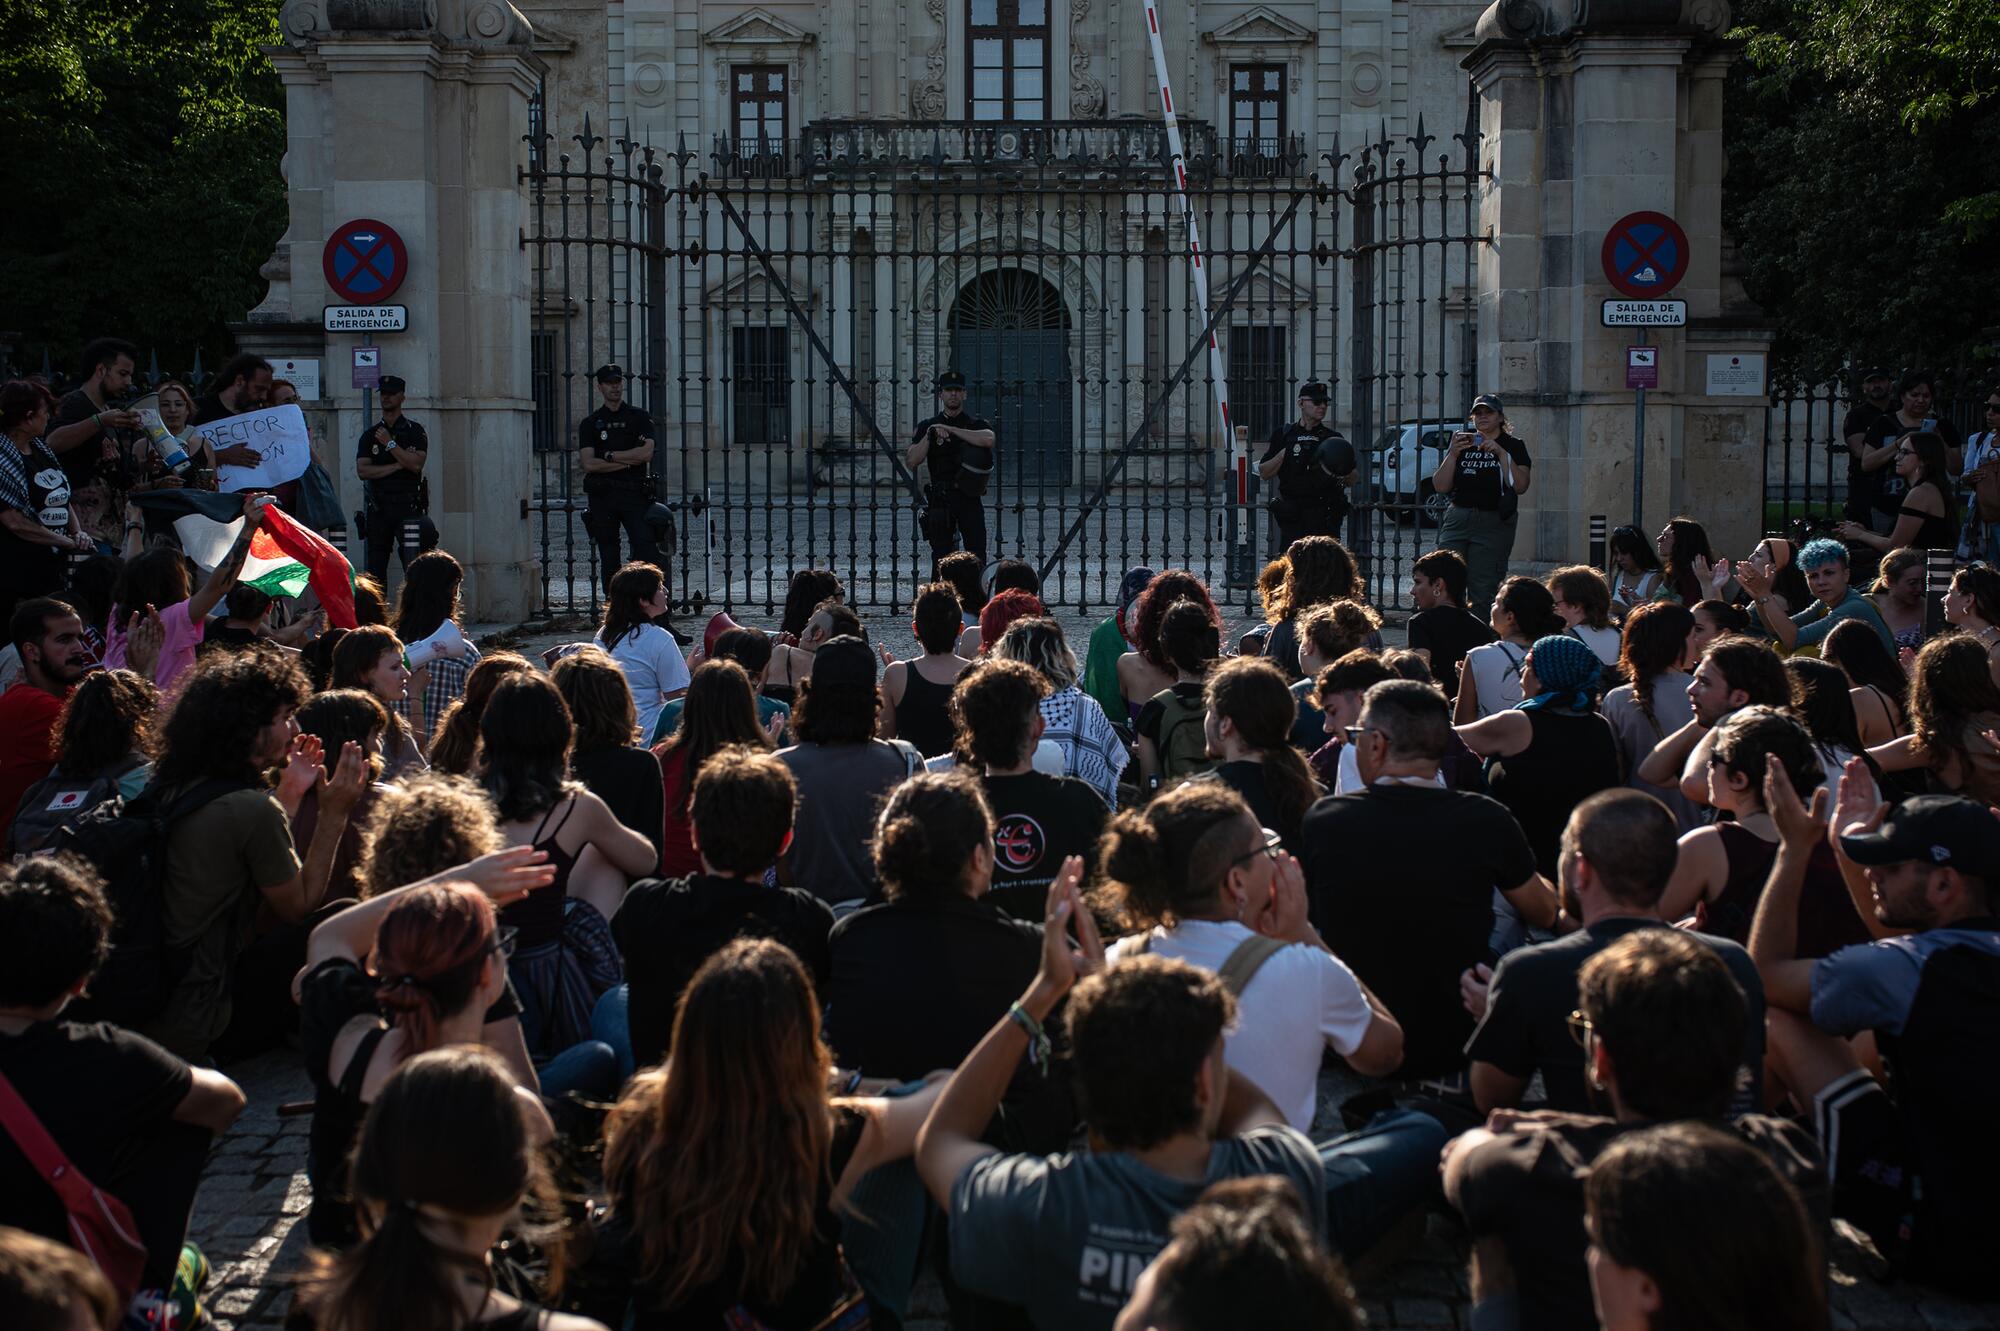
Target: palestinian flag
[(285, 557)]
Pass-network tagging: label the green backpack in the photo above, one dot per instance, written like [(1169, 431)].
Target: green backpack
[(1183, 743)]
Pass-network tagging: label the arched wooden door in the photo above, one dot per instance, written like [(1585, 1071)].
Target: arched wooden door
[(1010, 338)]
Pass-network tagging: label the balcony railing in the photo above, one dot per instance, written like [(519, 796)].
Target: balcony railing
[(845, 148)]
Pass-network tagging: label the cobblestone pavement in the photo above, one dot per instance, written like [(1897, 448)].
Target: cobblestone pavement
[(249, 1220)]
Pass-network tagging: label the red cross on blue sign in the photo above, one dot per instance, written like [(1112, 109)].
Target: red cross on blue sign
[(1645, 255), (364, 261)]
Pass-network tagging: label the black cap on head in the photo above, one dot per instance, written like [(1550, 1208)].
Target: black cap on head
[(1934, 829), (843, 660), (608, 374), (1875, 372), (1315, 391), (950, 379), (1488, 400), (392, 383)]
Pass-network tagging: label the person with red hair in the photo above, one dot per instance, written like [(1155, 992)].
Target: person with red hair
[(1002, 610), (438, 976), (1145, 671)]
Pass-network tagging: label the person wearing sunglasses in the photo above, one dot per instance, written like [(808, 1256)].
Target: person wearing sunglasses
[(1980, 478), (400, 974)]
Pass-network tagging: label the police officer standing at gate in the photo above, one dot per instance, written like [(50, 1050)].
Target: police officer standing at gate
[(390, 462), (616, 445), (1314, 465), (959, 449)]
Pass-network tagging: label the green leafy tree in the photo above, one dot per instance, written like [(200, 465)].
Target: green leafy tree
[(142, 140), (1864, 178)]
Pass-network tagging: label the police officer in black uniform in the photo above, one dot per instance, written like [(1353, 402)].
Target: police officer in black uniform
[(616, 445), (959, 449), (390, 462), (1314, 465)]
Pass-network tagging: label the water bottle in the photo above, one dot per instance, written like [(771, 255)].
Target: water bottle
[(165, 443)]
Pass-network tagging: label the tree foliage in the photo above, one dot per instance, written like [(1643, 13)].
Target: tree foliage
[(1864, 178), (143, 140)]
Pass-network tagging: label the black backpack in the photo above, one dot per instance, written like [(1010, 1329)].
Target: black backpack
[(126, 840), (56, 801)]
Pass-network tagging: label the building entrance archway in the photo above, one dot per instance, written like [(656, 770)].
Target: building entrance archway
[(1010, 339)]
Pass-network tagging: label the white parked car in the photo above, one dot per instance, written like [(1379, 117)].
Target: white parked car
[(1401, 463)]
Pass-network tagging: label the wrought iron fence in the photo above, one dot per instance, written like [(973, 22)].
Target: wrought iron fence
[(783, 307)]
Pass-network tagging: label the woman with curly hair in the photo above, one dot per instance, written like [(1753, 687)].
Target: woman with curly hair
[(1146, 670), (1953, 704), (1318, 570), (729, 1167), (449, 1154)]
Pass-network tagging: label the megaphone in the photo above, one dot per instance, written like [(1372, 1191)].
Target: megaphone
[(447, 641), (718, 625)]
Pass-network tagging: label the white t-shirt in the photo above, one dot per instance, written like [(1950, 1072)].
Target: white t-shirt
[(1349, 779), (1496, 672), (1048, 758), (1273, 1043), (1603, 641), (653, 666)]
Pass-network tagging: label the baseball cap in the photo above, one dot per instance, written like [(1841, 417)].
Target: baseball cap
[(1874, 372), (608, 374), (1315, 391), (392, 383), (1136, 581), (1936, 829), (843, 660), (950, 379), (1488, 400)]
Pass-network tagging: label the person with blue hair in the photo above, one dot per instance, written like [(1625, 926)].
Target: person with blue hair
[(1824, 563), (1552, 750)]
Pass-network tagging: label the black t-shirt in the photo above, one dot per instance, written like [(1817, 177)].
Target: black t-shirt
[(916, 985), (209, 407), (1249, 780), (1477, 482), (945, 457), (1401, 881), (102, 1093), (1315, 458), (1038, 819), (604, 432), (403, 487), (80, 463), (1448, 632), (628, 780), (1860, 484), (221, 637), (667, 927), (1526, 1027), (1887, 490), (1525, 1187)]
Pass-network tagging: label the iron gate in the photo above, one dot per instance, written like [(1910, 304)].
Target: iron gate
[(782, 309)]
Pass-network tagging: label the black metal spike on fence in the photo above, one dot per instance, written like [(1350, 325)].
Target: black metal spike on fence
[(587, 140), (1421, 141)]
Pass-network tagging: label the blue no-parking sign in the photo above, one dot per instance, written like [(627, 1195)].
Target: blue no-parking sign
[(364, 261), (1645, 255)]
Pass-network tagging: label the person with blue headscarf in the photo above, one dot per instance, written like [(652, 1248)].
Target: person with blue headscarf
[(1550, 751), (1824, 562)]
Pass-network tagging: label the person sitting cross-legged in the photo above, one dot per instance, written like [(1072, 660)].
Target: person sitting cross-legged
[(1068, 1235), (1661, 1023), (666, 928), (1915, 1163)]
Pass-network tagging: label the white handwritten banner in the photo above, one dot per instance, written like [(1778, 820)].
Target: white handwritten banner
[(278, 434)]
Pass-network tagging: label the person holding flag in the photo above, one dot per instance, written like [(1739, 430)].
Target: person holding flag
[(282, 556)]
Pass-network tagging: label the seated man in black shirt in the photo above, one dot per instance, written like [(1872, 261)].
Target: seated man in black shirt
[(131, 1118), (1915, 1162), (1443, 629), (1039, 820), (1617, 854), (666, 928), (1661, 1024), (1402, 874)]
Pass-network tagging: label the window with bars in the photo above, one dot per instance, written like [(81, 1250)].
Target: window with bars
[(1007, 59), (760, 385), (1256, 109), (757, 98), (1259, 378)]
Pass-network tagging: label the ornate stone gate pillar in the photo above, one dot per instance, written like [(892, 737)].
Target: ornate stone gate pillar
[(411, 112), (1589, 111)]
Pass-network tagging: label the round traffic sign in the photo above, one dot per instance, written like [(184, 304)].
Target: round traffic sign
[(1645, 254), (364, 261)]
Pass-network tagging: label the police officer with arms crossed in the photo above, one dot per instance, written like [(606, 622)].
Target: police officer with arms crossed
[(390, 461), (959, 449), (616, 445), (1314, 465)]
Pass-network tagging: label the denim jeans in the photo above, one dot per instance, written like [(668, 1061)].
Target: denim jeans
[(610, 1024), (1377, 1176), (590, 1069)]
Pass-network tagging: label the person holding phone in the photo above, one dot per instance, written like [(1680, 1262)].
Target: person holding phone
[(1485, 472)]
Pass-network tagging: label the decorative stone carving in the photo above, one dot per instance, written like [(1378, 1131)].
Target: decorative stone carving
[(1364, 83), (1086, 93), (1521, 20), (648, 81), (1260, 26), (927, 97), (302, 21)]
